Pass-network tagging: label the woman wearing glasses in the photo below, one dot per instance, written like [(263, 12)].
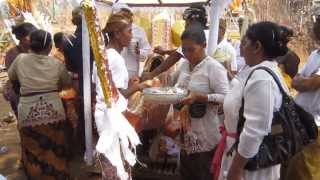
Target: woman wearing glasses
[(41, 117)]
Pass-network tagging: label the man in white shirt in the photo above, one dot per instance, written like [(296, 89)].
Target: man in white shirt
[(139, 47), (240, 60), (225, 48), (306, 165), (306, 83), (230, 62)]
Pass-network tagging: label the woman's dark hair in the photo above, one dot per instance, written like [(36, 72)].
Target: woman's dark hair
[(40, 40), (23, 30), (286, 33), (271, 38), (195, 33), (58, 38), (196, 12), (290, 62)]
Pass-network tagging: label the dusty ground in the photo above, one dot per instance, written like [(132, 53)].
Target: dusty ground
[(9, 162)]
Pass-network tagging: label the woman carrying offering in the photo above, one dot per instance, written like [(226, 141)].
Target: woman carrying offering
[(207, 81)]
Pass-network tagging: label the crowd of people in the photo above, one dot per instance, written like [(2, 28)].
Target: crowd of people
[(45, 90)]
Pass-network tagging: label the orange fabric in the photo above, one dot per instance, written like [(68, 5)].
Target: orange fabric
[(68, 94), (134, 120), (44, 149), (235, 5), (177, 121), (58, 55), (15, 6)]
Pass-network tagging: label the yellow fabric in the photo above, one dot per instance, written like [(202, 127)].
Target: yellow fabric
[(287, 78), (235, 5), (176, 32), (305, 165), (144, 21), (221, 56), (22, 5), (233, 35)]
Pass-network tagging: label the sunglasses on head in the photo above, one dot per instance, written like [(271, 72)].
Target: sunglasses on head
[(192, 13)]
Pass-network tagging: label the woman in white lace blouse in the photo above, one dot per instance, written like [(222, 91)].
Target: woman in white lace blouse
[(207, 81)]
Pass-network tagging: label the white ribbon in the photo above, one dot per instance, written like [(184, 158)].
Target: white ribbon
[(114, 132), (116, 135), (87, 92)]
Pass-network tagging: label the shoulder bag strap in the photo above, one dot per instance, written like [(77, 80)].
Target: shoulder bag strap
[(274, 76)]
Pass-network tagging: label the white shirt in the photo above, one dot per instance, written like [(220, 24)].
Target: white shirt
[(240, 60), (208, 77), (262, 98), (227, 48), (119, 76), (132, 60), (310, 100)]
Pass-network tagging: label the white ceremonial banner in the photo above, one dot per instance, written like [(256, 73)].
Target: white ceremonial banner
[(87, 92)]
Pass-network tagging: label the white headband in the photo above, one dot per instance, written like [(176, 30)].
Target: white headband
[(45, 39)]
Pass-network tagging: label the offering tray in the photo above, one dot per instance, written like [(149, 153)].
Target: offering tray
[(164, 95)]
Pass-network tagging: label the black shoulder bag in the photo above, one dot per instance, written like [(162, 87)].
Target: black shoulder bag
[(292, 128)]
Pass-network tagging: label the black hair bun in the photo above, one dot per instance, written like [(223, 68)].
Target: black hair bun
[(285, 34), (282, 48), (40, 40), (23, 30), (272, 37), (196, 12)]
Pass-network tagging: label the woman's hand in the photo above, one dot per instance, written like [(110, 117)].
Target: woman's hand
[(195, 97), (134, 80), (297, 80), (145, 84), (135, 86), (303, 84), (147, 76), (159, 50)]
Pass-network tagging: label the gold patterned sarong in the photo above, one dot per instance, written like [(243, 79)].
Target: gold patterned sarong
[(305, 165)]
